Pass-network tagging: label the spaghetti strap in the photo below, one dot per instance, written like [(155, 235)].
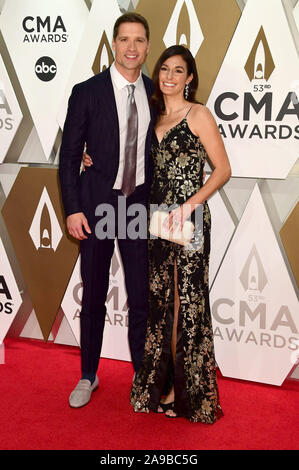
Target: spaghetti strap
[(188, 111)]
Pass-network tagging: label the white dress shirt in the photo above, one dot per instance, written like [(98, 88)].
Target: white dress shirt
[(121, 96)]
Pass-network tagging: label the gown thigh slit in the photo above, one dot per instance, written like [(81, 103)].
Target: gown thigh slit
[(176, 308), (178, 168)]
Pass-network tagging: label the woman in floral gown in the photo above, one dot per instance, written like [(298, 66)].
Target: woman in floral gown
[(178, 375)]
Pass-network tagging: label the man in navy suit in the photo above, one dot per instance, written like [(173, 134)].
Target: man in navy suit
[(97, 119)]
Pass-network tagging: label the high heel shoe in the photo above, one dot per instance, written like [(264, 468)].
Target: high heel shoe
[(176, 415), (165, 407)]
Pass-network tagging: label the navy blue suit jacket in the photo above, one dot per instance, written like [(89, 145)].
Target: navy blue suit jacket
[(92, 119)]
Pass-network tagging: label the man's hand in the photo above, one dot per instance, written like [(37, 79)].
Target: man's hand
[(74, 224)]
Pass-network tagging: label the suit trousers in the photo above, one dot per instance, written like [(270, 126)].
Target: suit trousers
[(96, 255)]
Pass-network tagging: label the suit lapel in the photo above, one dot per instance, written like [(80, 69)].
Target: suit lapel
[(107, 100), (149, 92)]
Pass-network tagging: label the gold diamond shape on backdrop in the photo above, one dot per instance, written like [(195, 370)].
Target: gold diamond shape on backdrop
[(34, 219), (289, 238), (217, 20)]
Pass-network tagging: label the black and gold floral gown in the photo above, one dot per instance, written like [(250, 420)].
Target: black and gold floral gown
[(178, 173)]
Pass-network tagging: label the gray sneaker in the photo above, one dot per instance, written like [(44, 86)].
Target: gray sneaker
[(80, 396)]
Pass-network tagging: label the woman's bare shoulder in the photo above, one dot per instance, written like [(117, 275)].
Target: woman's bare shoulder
[(201, 117), (202, 111)]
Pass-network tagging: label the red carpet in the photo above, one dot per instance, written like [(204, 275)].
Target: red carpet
[(36, 380)]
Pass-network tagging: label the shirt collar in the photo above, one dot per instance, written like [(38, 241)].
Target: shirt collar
[(120, 81)]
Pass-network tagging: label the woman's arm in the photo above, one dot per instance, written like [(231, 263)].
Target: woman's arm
[(203, 124)]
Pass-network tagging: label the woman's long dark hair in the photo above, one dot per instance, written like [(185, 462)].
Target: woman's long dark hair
[(157, 100)]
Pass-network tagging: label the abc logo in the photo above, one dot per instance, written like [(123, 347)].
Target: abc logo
[(45, 69)]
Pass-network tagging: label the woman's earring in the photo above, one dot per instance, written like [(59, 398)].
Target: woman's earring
[(186, 91)]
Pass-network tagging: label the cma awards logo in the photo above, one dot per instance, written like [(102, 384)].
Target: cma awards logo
[(251, 322), (6, 122), (184, 28), (104, 56), (253, 275), (45, 230), (46, 29), (258, 100), (260, 64)]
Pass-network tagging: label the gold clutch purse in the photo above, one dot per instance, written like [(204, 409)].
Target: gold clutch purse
[(182, 237)]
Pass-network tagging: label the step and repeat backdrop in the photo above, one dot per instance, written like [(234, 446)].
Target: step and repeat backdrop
[(247, 58)]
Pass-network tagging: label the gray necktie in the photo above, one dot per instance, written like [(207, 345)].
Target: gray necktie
[(129, 177)]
